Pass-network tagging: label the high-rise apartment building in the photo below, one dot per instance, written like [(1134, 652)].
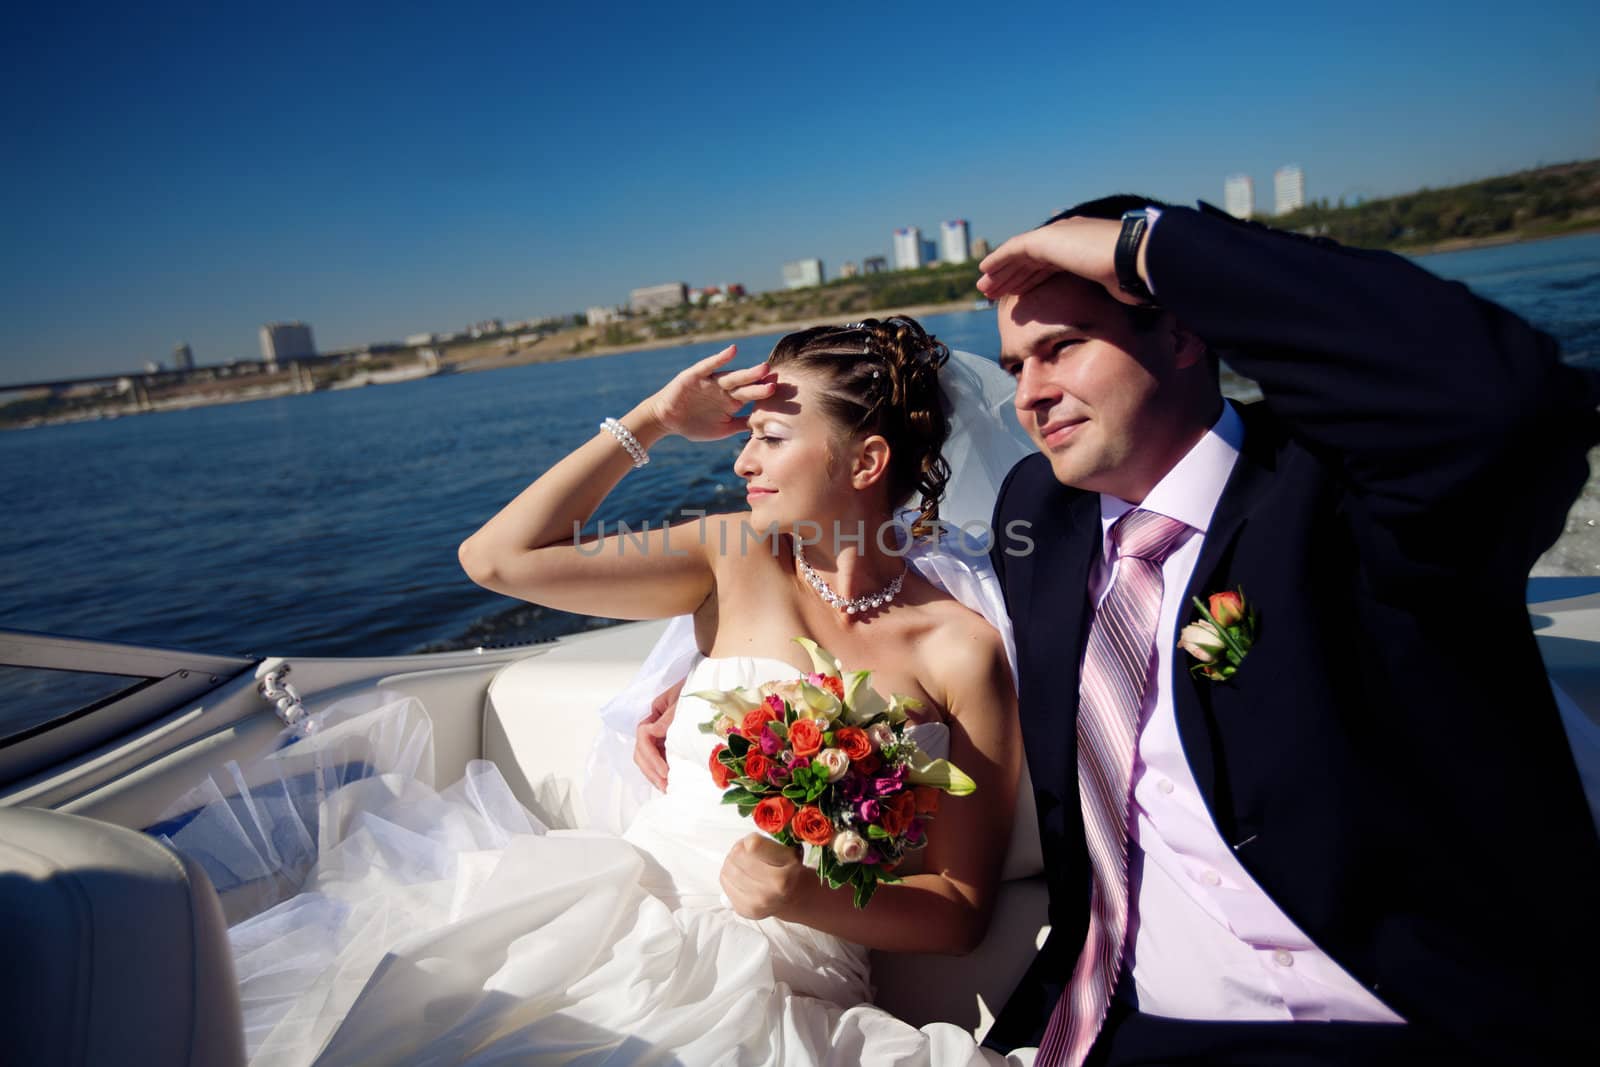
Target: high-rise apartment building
[(183, 357), (283, 341), (802, 274), (1289, 189), (907, 248), (955, 239), (1239, 196)]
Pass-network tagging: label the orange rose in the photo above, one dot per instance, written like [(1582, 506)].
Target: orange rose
[(812, 826), (896, 813), (854, 741), (756, 766), (927, 798), (754, 720), (805, 737), (834, 684), (721, 773), (773, 814), (1226, 608), (868, 764)]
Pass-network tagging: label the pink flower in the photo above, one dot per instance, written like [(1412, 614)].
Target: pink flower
[(1201, 640), (849, 846)]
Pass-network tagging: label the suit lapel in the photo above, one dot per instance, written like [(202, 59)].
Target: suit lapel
[(1246, 487), (1057, 632)]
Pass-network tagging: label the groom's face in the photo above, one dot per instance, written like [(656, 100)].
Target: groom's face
[(1092, 390)]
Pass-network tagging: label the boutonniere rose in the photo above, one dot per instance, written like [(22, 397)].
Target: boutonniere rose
[(1221, 637)]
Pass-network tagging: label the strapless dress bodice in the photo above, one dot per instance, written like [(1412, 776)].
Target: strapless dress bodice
[(686, 832)]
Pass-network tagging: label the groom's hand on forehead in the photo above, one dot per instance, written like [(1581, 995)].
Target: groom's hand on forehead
[(1082, 246)]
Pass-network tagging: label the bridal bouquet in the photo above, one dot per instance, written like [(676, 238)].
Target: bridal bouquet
[(827, 763)]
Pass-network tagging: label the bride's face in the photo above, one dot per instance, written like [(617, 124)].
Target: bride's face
[(794, 463)]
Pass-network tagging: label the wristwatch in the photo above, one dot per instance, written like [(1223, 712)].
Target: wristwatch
[(1126, 257)]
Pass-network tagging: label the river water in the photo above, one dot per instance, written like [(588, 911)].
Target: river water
[(327, 524)]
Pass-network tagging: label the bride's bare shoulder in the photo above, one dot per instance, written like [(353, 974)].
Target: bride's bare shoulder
[(965, 658)]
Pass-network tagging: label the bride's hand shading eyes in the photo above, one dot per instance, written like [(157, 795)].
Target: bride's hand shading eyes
[(699, 403), (761, 877)]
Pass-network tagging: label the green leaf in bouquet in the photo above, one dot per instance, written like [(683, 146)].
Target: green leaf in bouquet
[(794, 792), (761, 789), (779, 730), (815, 790), (740, 795), (738, 744), (833, 873), (865, 887), (886, 878), (877, 833), (745, 810), (784, 837)]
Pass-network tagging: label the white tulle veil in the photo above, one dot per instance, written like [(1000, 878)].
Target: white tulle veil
[(985, 442)]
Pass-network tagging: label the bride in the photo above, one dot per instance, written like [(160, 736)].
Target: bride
[(689, 938)]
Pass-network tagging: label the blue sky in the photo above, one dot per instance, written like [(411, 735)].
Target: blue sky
[(190, 172)]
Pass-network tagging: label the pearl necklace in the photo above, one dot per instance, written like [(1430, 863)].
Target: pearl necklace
[(849, 605)]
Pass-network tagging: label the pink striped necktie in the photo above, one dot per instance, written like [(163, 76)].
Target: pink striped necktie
[(1117, 665)]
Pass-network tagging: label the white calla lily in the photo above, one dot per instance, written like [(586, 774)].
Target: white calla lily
[(899, 705), (818, 703), (863, 701), (733, 702), (939, 773), (821, 658)]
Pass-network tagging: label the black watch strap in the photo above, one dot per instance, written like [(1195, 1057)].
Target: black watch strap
[(1126, 258)]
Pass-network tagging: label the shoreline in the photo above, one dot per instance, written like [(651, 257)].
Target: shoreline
[(532, 355), (1467, 244), (556, 352)]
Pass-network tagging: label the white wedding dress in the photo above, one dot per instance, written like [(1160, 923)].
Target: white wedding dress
[(451, 929)]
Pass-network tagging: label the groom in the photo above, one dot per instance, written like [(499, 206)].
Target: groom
[(1369, 844)]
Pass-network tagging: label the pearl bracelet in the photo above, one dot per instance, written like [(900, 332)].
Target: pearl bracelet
[(630, 444)]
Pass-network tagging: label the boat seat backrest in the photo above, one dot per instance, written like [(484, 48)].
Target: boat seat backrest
[(114, 949)]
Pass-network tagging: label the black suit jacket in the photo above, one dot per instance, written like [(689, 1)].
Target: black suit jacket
[(1388, 763)]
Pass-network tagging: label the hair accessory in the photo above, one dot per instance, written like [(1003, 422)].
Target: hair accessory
[(848, 605), (630, 444)]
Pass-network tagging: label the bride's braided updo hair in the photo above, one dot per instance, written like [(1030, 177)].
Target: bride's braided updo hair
[(882, 377)]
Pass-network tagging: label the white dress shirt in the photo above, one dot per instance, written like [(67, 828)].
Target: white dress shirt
[(1205, 941)]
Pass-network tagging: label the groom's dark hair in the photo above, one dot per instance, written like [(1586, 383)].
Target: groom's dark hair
[(1114, 207)]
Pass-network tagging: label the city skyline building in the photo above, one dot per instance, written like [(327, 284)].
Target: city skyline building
[(874, 265), (1239, 196), (802, 273), (283, 341), (644, 300), (183, 357), (907, 248), (955, 238), (1289, 189)]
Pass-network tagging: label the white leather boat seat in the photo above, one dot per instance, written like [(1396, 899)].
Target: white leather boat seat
[(114, 949)]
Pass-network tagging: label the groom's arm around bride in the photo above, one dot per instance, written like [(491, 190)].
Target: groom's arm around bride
[(1374, 824)]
